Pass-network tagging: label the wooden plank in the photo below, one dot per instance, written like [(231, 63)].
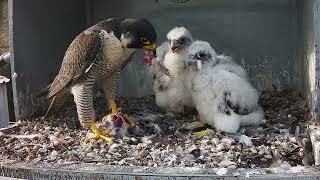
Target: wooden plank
[(90, 171), (8, 178), (4, 109), (11, 128), (316, 30)]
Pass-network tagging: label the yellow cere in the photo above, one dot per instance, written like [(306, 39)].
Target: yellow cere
[(147, 44)]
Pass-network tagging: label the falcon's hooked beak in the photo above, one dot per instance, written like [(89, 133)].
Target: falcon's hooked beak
[(151, 47), (151, 52)]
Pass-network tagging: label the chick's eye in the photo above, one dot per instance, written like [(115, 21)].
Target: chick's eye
[(182, 40), (200, 55)]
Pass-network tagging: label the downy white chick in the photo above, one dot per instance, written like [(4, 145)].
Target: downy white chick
[(227, 63), (223, 98), (170, 91)]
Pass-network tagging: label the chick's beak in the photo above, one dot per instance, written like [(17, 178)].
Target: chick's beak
[(190, 63), (195, 63)]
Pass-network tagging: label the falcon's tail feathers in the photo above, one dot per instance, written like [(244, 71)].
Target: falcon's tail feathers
[(50, 108), (254, 118), (57, 102)]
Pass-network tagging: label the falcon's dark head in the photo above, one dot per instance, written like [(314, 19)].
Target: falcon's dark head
[(179, 39), (200, 54), (138, 34)]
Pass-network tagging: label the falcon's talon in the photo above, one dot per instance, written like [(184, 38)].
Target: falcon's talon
[(94, 128), (117, 110), (98, 134), (105, 138), (106, 132)]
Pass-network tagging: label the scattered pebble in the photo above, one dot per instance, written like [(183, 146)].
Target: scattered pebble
[(196, 153)]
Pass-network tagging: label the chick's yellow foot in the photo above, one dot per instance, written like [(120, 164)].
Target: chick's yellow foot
[(98, 134), (195, 124), (201, 134)]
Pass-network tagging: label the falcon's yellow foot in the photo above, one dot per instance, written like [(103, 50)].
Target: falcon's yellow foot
[(115, 110), (113, 106), (201, 134), (98, 134)]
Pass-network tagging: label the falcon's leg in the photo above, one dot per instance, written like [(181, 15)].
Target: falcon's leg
[(113, 106), (110, 86), (83, 98)]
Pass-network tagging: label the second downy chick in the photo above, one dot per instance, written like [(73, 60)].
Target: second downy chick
[(221, 93)]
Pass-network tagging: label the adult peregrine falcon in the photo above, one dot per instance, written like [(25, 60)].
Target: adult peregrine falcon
[(222, 95), (98, 54)]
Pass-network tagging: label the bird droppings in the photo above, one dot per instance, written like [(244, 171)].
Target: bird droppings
[(159, 141)]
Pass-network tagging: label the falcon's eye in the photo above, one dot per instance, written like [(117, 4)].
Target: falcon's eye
[(145, 41)]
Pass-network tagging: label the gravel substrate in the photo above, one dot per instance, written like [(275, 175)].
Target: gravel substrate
[(161, 140)]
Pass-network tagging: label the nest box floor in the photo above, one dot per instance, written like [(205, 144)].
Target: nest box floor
[(281, 142)]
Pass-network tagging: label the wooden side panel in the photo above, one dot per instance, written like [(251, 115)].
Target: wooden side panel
[(4, 113)]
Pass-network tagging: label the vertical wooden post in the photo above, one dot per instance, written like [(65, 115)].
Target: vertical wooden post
[(316, 30), (4, 109)]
